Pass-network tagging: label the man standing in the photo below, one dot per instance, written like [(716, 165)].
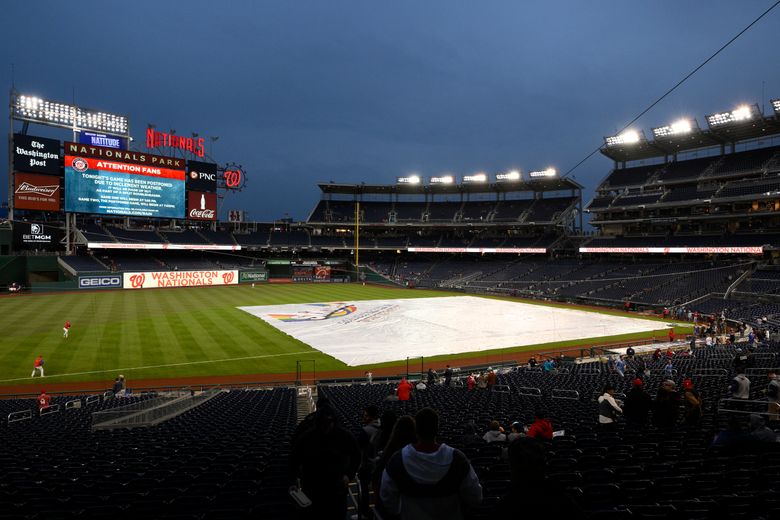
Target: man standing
[(66, 329), (609, 408), (404, 390), (427, 480), (773, 396), (447, 376), (38, 365), (367, 444)]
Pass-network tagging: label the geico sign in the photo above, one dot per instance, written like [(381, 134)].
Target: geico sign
[(96, 282)]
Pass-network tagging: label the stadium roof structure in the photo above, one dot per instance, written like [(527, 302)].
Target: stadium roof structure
[(717, 135), (541, 185)]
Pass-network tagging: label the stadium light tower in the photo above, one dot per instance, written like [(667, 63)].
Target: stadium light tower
[(740, 115), (628, 137), (477, 177), (443, 179), (685, 126), (64, 115), (411, 179), (776, 106), (510, 176), (549, 173)]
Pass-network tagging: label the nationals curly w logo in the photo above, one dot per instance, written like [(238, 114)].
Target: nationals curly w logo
[(228, 277), (137, 281)]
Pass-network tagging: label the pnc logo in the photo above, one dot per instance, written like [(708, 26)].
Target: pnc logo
[(228, 277), (137, 280)]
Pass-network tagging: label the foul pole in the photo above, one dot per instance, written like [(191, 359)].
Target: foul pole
[(357, 241)]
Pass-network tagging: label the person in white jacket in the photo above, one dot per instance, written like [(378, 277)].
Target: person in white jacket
[(609, 407), (427, 480)]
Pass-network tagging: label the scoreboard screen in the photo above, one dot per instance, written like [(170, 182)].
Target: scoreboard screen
[(107, 187)]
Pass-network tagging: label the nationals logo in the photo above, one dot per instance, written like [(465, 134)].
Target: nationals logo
[(137, 281), (228, 277), (233, 178), (80, 165)]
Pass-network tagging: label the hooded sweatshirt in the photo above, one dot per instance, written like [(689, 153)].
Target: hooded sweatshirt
[(420, 485), (494, 436)]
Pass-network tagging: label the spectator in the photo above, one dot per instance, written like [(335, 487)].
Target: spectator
[(470, 435), (491, 378), (421, 385), (366, 442), (671, 336), (773, 397), (495, 433), (447, 376), (669, 370), (759, 431), (44, 401), (325, 459), (369, 377), (470, 382), (404, 390), (657, 354), (532, 362), (637, 405), (620, 366), (733, 437), (666, 407), (541, 428), (516, 432), (482, 381), (431, 377), (669, 352), (386, 423), (427, 480), (740, 387), (693, 404), (630, 352), (609, 408), (402, 434), (531, 494)]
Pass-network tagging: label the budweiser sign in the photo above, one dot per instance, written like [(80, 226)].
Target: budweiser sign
[(26, 187)]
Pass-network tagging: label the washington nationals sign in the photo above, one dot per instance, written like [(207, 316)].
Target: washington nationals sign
[(158, 279)]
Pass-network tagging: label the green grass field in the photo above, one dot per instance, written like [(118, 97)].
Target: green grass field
[(172, 332)]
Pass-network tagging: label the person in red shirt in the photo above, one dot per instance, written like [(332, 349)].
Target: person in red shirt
[(38, 365), (671, 334), (43, 400), (66, 329), (541, 427), (404, 390), (669, 353), (470, 382)]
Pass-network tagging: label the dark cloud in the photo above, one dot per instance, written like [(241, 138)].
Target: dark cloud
[(308, 91)]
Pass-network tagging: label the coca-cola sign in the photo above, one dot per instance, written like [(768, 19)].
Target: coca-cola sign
[(202, 205), (37, 192)]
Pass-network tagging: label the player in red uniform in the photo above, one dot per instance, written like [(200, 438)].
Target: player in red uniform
[(66, 329), (38, 365)]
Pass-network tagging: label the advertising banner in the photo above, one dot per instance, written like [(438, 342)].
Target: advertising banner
[(127, 156), (201, 205), (201, 176), (165, 247), (28, 235), (112, 281), (322, 272), (116, 188), (157, 279), (523, 250), (107, 141), (753, 250), (252, 276), (38, 192), (36, 154)]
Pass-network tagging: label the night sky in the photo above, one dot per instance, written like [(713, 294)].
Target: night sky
[(353, 91)]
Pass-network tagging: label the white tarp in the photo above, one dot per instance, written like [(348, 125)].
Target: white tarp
[(374, 331)]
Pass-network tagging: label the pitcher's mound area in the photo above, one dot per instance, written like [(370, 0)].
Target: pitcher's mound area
[(364, 332)]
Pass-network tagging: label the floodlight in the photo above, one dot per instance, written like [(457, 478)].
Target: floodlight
[(444, 179), (626, 137), (35, 109), (776, 105), (477, 177), (680, 127), (738, 115), (411, 179), (513, 175), (549, 172)]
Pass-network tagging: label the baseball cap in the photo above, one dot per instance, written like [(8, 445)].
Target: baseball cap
[(638, 382)]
